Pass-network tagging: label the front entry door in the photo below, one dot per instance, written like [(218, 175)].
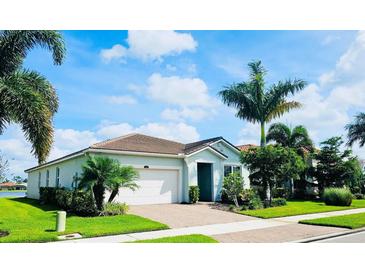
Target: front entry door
[(205, 181)]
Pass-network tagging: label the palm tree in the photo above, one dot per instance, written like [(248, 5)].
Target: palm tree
[(27, 97), (125, 177), (296, 138), (100, 173), (258, 104), (356, 130)]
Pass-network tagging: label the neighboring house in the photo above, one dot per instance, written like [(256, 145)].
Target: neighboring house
[(12, 186), (166, 168)]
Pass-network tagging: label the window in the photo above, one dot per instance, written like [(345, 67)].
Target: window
[(47, 178), (39, 179), (228, 169), (57, 177)]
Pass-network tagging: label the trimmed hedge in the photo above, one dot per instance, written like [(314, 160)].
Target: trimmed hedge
[(337, 196), (75, 201), (114, 208), (358, 196)]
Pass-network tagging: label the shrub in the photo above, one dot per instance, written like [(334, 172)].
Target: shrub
[(280, 192), (47, 195), (193, 194), (233, 186), (358, 196), (337, 196), (250, 199), (278, 202), (83, 203), (115, 208), (63, 198)]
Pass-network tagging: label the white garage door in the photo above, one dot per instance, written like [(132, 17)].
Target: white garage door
[(156, 186)]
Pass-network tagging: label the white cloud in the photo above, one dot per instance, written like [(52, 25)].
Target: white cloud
[(194, 114), (17, 150), (174, 131), (233, 67), (116, 52), (121, 100), (170, 67), (179, 91), (329, 39), (151, 45)]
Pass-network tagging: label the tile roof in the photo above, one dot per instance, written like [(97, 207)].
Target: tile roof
[(246, 147), (141, 143)]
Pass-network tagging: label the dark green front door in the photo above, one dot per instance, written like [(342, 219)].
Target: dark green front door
[(205, 181)]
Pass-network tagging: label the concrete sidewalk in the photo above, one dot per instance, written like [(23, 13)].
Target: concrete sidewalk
[(214, 229)]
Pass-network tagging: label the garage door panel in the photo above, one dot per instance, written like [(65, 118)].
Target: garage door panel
[(156, 187)]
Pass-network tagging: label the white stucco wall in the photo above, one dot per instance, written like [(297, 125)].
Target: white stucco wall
[(207, 156), (187, 169)]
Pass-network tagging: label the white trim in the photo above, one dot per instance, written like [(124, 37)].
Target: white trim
[(228, 144), (109, 151), (211, 149), (56, 161)]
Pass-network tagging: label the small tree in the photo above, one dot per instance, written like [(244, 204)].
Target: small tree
[(270, 166), (123, 177), (334, 167), (233, 186)]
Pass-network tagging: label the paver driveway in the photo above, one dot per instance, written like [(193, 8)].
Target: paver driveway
[(185, 215)]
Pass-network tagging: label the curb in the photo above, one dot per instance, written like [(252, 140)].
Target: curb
[(328, 236)]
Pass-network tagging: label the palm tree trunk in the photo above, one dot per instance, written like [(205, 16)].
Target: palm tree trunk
[(263, 136), (112, 196)]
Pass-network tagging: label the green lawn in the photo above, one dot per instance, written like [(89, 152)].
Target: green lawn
[(192, 238), (27, 221), (347, 221), (298, 208)]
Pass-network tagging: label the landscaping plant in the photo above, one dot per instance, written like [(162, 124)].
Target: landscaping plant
[(257, 103), (250, 199), (233, 186), (111, 209), (194, 194), (278, 202), (101, 173), (337, 196), (335, 168), (271, 165)]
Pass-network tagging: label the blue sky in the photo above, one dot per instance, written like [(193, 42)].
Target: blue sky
[(166, 84)]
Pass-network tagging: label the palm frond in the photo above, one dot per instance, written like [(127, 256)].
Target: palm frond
[(280, 133), (15, 44), (282, 108), (27, 106), (356, 130)]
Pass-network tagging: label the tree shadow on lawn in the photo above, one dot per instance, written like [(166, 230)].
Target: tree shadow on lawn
[(34, 203)]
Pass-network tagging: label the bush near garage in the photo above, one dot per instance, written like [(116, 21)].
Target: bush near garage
[(78, 202), (193, 194), (337, 196)]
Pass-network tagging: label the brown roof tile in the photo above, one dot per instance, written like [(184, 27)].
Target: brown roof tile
[(141, 143), (246, 147)]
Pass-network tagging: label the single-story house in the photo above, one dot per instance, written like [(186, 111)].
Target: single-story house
[(166, 168), (12, 186)]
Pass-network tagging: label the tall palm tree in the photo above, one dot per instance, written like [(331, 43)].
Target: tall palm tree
[(296, 138), (356, 130), (258, 104), (125, 177), (27, 97)]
